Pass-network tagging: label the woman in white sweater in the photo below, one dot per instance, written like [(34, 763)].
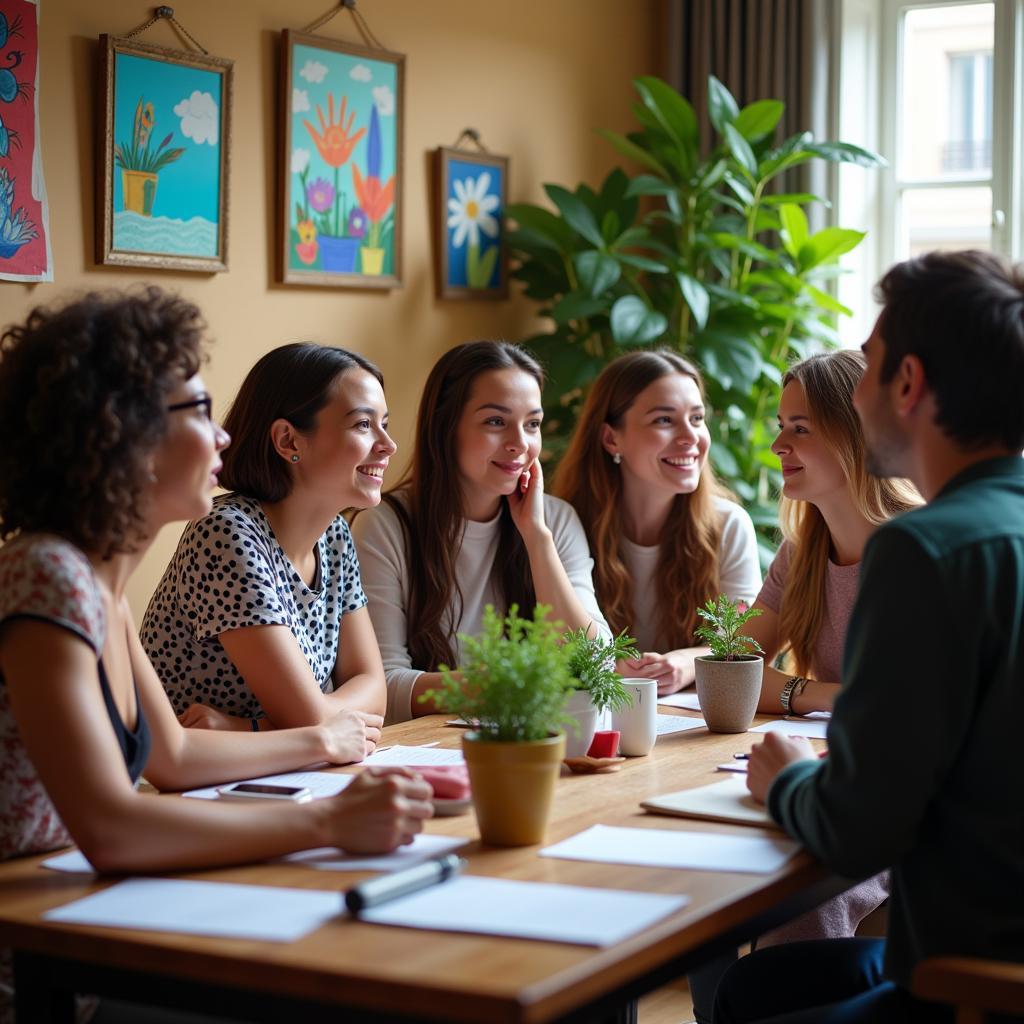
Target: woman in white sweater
[(473, 511), (664, 536)]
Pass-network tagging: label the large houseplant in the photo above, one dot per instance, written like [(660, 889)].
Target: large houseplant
[(697, 252), (513, 683)]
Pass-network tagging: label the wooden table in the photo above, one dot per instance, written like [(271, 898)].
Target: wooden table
[(362, 972)]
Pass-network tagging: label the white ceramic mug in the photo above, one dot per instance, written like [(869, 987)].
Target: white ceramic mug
[(638, 722)]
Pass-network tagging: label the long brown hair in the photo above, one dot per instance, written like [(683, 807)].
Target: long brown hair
[(688, 571), (828, 381), (428, 502)]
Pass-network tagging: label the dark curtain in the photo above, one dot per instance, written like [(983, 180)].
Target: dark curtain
[(760, 49)]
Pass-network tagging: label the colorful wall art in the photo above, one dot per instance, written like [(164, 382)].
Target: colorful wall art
[(24, 212), (471, 193), (164, 153), (340, 164)]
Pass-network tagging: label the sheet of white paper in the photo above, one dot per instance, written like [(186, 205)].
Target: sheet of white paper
[(814, 729), (423, 847), (734, 766), (668, 724), (826, 715), (528, 910), (655, 847), (74, 863), (686, 699), (320, 784), (262, 912), (413, 756)]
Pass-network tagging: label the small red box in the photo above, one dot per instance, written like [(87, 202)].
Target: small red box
[(606, 744)]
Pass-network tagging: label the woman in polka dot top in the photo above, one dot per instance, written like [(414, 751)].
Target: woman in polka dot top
[(260, 621)]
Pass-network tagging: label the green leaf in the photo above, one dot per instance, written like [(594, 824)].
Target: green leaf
[(696, 297), (794, 228), (632, 236), (675, 115), (648, 185), (758, 119), (740, 148), (846, 153), (714, 174), (641, 263), (741, 189), (634, 152), (609, 226), (577, 306), (794, 197), (596, 272), (826, 301), (576, 213), (828, 244), (633, 323), (542, 223), (485, 268), (722, 106)]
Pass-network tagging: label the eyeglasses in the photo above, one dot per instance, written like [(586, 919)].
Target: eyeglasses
[(205, 404)]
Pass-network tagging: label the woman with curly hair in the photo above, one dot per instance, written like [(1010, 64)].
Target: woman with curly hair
[(260, 620), (469, 525), (664, 535), (114, 440)]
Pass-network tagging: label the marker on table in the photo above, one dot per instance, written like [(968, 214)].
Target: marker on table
[(746, 757), (402, 883)]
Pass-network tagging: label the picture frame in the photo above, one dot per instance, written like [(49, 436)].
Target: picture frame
[(340, 164), (470, 197), (163, 204)]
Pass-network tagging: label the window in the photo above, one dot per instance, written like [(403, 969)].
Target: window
[(946, 114)]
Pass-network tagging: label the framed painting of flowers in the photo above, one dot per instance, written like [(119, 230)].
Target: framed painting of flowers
[(340, 164), (165, 137), (471, 191)]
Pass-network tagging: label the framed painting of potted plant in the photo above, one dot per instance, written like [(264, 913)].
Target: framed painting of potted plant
[(340, 164), (471, 192), (165, 139)]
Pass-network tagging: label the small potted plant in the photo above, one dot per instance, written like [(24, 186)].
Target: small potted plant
[(729, 678), (597, 686), (513, 682)]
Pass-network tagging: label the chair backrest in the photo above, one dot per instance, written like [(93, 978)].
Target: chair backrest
[(975, 987)]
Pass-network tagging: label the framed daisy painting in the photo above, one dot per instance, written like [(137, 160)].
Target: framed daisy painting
[(471, 255)]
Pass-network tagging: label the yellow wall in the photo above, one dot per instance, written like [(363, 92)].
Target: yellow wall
[(535, 77)]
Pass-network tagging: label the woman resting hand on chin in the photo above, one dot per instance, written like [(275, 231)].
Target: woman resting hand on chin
[(260, 619), (665, 538), (470, 524)]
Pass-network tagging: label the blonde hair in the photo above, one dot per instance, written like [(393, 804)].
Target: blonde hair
[(828, 381), (687, 572)]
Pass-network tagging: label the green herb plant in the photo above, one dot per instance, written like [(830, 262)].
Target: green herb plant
[(592, 666), (721, 632), (514, 679)]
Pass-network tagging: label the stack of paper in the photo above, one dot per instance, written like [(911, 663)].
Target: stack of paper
[(687, 699), (413, 756), (423, 847), (814, 729), (668, 724), (721, 801)]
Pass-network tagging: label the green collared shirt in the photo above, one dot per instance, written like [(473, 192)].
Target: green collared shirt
[(925, 773)]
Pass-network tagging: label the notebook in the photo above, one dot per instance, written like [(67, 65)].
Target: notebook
[(721, 801)]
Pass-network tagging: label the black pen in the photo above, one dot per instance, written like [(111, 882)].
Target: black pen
[(401, 883), (741, 757)]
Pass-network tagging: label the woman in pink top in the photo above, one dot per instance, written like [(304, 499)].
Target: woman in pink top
[(829, 508)]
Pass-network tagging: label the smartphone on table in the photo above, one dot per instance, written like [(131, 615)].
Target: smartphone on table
[(264, 791)]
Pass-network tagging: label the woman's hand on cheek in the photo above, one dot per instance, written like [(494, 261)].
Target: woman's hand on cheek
[(673, 671), (526, 503)]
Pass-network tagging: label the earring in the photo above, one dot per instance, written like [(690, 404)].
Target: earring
[(617, 458), (295, 458)]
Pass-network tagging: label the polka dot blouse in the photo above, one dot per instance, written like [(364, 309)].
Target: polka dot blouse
[(229, 572)]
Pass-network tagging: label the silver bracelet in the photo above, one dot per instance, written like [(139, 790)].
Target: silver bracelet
[(793, 687)]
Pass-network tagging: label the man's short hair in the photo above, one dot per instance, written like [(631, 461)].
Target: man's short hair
[(962, 315)]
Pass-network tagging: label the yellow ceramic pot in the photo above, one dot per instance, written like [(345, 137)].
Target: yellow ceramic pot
[(139, 191), (372, 260), (512, 786)]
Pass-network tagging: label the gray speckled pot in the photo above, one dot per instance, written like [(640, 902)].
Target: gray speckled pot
[(728, 691)]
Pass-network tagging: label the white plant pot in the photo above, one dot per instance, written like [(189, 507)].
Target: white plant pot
[(580, 707)]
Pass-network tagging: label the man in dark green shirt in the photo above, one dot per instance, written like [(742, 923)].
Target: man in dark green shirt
[(924, 773)]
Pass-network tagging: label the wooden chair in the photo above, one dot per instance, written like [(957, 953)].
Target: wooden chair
[(975, 987)]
